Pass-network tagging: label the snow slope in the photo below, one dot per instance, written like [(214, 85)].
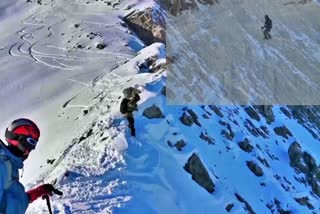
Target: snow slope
[(74, 94), (219, 47)]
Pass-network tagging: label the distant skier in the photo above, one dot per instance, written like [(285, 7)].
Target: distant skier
[(22, 136), (129, 105), (267, 27)]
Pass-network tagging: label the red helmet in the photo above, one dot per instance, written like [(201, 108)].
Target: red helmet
[(24, 134)]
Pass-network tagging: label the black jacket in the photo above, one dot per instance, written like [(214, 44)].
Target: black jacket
[(268, 23)]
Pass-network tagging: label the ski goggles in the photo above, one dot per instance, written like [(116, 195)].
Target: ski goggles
[(23, 142)]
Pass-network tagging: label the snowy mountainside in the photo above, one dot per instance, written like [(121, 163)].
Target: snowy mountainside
[(243, 159), (219, 46)]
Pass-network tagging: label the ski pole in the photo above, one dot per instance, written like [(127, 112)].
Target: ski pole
[(48, 203)]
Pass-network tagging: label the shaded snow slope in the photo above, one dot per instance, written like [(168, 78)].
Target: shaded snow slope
[(220, 48)]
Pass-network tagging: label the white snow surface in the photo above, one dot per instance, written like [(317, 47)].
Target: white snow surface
[(74, 95)]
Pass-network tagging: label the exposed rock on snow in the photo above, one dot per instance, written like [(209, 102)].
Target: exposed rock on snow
[(304, 201), (199, 173), (229, 207), (194, 117), (186, 119), (179, 144), (252, 113), (266, 111), (153, 112), (207, 138), (148, 24), (245, 145), (283, 131), (305, 163), (255, 168), (216, 110), (247, 205)]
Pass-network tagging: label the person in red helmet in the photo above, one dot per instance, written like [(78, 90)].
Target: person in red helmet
[(22, 136)]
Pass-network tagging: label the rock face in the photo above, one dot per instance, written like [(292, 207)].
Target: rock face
[(179, 144), (149, 25), (305, 163), (255, 168), (153, 112), (195, 167)]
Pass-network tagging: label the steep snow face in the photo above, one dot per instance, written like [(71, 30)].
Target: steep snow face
[(220, 48)]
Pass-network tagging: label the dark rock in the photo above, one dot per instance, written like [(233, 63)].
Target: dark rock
[(101, 46), (186, 119), (76, 25), (283, 131), (252, 113), (153, 112), (195, 167), (180, 144), (304, 201), (207, 138), (286, 112), (194, 117), (228, 133), (255, 168), (85, 112), (216, 110), (247, 205), (50, 161), (266, 111), (229, 207), (205, 116), (245, 145)]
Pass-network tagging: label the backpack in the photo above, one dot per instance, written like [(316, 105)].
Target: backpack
[(124, 106)]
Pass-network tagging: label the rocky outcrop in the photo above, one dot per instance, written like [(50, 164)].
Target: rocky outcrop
[(194, 117), (266, 111), (175, 7), (283, 131), (247, 205), (153, 112), (207, 138), (195, 167), (186, 119), (216, 110), (303, 162), (255, 168), (149, 25), (252, 113), (179, 144), (229, 207), (304, 201), (245, 145)]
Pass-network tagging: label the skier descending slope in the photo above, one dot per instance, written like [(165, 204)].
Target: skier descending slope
[(267, 27), (129, 105), (22, 136)]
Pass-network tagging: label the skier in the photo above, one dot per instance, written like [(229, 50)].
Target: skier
[(267, 27), (22, 136), (129, 105)]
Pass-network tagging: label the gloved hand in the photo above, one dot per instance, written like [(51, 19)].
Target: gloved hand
[(44, 189)]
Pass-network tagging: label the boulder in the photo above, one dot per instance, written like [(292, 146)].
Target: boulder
[(245, 145), (186, 119), (255, 168), (283, 131), (195, 167), (153, 112)]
